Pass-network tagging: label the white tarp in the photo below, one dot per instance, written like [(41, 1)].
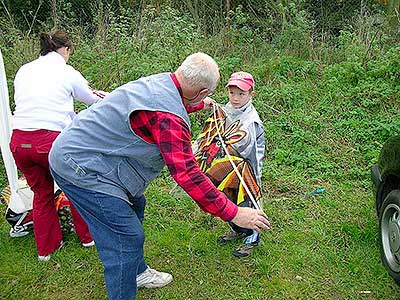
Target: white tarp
[(21, 195)]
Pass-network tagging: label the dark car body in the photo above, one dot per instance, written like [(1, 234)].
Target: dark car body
[(386, 177)]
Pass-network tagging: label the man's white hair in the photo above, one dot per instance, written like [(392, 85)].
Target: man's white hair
[(200, 71)]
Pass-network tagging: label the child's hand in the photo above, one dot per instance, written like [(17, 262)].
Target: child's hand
[(208, 103)]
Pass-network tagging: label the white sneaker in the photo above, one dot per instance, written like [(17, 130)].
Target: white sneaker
[(87, 245), (44, 257), (151, 278), (47, 257)]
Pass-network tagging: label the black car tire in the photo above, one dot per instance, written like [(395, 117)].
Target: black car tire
[(389, 234), (377, 179)]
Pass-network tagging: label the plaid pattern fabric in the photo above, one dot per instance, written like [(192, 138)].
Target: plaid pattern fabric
[(172, 136)]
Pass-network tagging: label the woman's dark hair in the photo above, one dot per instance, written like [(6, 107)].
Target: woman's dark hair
[(54, 40)]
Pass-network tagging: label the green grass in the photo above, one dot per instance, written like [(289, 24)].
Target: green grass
[(319, 247)]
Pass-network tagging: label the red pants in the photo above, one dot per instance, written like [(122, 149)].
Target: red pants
[(31, 151)]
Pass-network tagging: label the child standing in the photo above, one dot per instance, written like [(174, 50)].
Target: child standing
[(240, 92), (238, 128)]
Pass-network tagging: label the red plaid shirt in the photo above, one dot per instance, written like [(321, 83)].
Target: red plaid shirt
[(172, 136)]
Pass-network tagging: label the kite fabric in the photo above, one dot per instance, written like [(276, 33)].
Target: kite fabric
[(21, 197), (217, 163)]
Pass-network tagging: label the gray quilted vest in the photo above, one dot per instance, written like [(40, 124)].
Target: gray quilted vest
[(100, 152)]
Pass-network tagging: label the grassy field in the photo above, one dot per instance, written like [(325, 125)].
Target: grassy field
[(326, 111), (320, 247)]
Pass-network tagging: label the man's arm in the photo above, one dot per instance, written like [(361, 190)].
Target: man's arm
[(172, 136)]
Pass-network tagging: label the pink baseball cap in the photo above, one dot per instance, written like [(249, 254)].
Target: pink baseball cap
[(242, 80)]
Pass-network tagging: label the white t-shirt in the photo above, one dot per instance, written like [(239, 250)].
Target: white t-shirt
[(44, 93)]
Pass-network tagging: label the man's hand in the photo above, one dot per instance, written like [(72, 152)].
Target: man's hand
[(208, 103), (251, 218)]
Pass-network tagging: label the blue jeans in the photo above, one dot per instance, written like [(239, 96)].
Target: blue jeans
[(117, 230)]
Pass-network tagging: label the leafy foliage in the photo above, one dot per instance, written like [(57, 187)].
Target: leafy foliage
[(327, 107)]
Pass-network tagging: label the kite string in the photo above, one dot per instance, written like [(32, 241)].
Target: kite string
[(231, 161)]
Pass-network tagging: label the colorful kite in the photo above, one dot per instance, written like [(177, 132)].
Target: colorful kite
[(215, 153)]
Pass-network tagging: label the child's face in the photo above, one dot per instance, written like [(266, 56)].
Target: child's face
[(237, 97)]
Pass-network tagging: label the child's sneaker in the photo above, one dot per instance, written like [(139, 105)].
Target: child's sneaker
[(244, 250), (231, 236), (151, 278)]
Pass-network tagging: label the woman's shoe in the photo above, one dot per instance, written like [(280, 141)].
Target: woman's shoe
[(87, 245), (44, 258), (47, 257)]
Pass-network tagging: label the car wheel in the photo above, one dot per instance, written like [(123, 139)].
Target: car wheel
[(389, 225)]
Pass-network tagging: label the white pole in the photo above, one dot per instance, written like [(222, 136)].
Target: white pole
[(19, 202)]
